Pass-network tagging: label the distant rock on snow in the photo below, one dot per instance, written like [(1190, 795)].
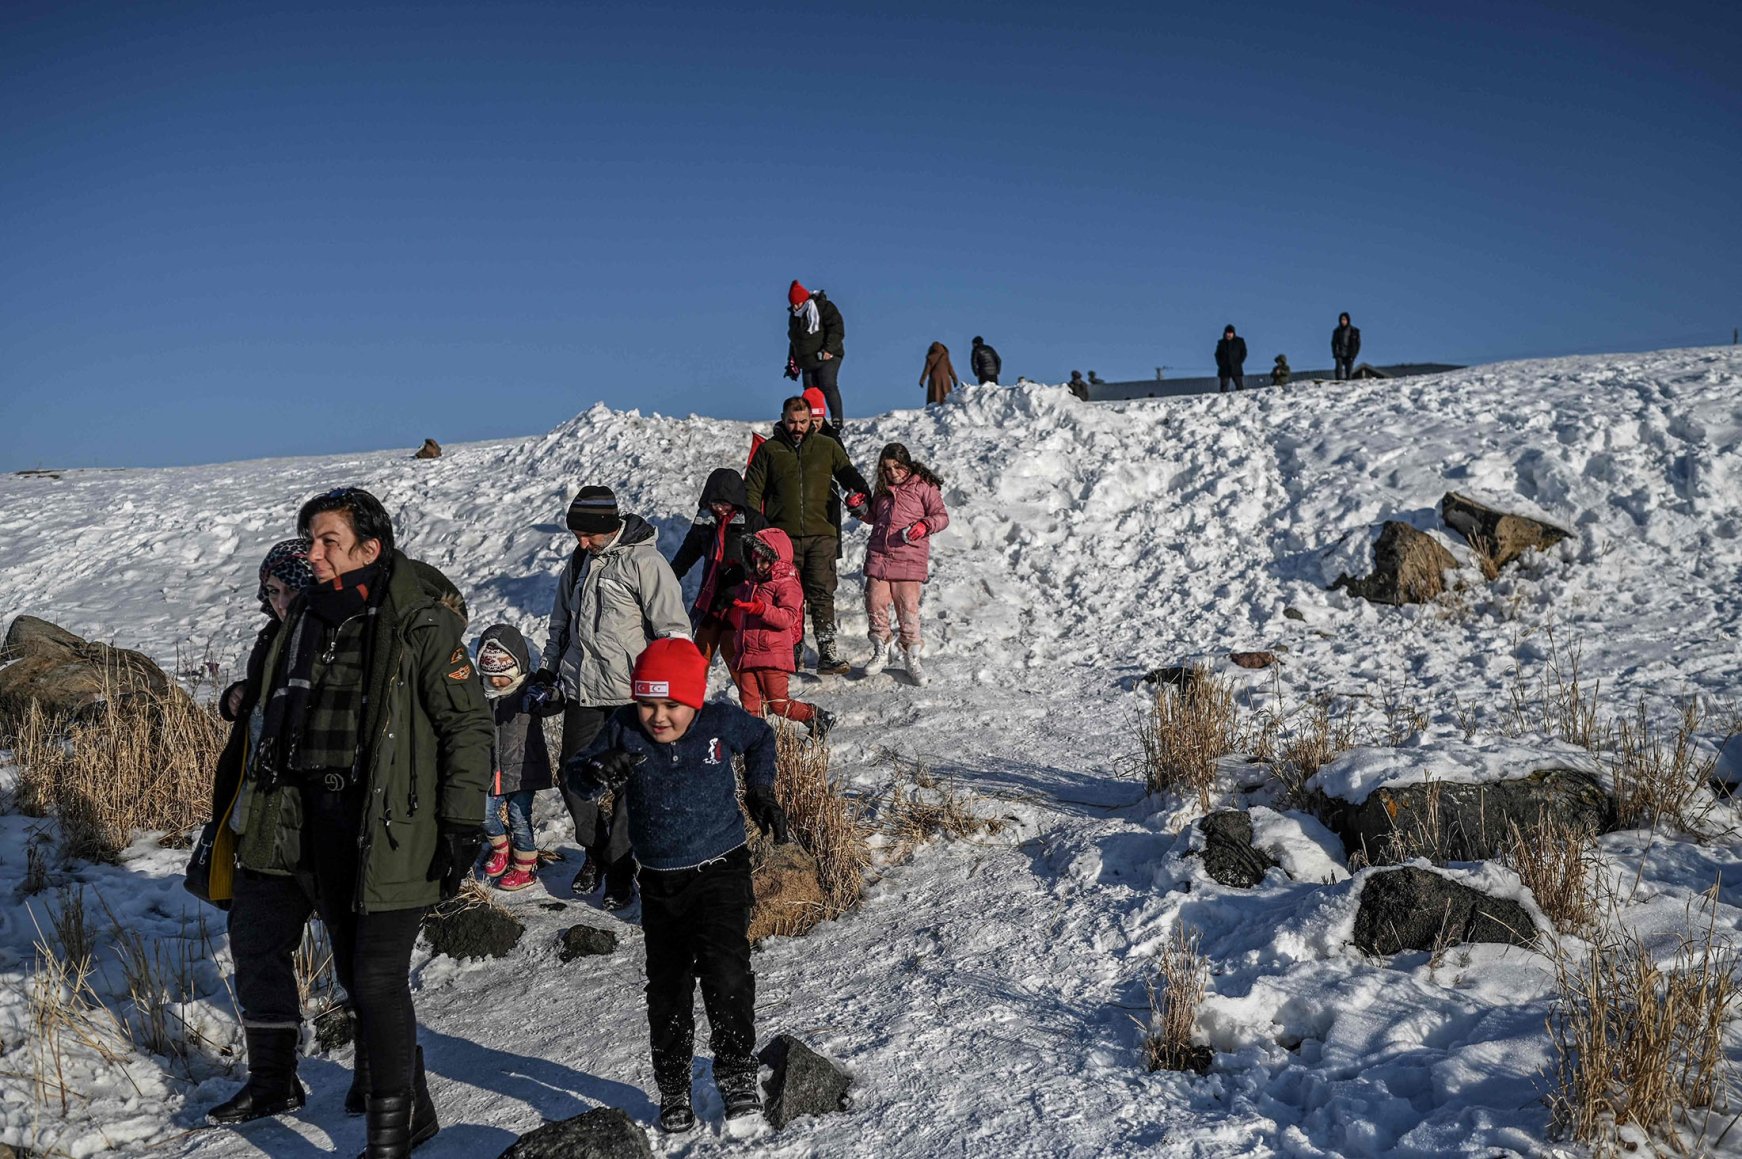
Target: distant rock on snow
[(1409, 567)]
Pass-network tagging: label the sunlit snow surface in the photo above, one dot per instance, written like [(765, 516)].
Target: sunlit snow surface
[(984, 997)]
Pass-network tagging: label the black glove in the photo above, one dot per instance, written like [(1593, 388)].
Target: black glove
[(540, 687), (456, 852), (768, 815), (792, 369), (610, 770)]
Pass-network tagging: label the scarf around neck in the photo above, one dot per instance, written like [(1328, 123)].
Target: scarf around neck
[(332, 603), (808, 311)]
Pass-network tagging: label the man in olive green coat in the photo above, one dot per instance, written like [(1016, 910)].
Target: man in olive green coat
[(790, 480), (365, 801)]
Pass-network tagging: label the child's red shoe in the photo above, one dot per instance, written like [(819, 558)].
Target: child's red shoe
[(522, 874), (498, 860)]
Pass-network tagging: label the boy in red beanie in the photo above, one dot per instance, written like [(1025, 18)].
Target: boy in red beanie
[(672, 753)]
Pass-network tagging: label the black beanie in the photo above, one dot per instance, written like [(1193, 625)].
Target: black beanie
[(594, 511)]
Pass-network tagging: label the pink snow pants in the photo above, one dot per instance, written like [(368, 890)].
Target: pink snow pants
[(879, 594)]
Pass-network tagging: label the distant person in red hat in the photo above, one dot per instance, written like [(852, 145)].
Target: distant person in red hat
[(814, 335), (672, 755)]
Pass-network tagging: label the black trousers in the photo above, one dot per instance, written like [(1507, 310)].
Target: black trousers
[(824, 378), (1345, 368), (371, 952), (603, 833), (697, 926), (815, 558), (1222, 380)]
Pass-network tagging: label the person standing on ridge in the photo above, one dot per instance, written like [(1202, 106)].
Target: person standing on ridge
[(938, 376), (1345, 347), (985, 362), (366, 790), (615, 595), (815, 338), (791, 480), (1230, 360)]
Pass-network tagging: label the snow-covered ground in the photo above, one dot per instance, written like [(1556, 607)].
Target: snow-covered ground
[(986, 996)]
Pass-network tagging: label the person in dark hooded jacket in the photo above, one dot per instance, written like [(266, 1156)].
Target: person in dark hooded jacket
[(985, 362), (521, 757), (815, 343), (723, 522), (1230, 360), (1345, 347)]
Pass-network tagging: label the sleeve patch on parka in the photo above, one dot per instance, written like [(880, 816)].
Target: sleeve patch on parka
[(461, 672), (459, 655)]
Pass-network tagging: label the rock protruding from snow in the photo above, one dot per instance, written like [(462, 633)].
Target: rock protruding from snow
[(601, 1133), (1462, 821), (66, 675), (585, 942), (1228, 855), (472, 931), (1410, 908), (1409, 567), (430, 450), (803, 1083), (1503, 535), (789, 891)]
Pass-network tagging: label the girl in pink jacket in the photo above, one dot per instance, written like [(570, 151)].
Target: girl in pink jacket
[(767, 618), (907, 509)]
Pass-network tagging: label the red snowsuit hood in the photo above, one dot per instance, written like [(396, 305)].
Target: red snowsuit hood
[(766, 640)]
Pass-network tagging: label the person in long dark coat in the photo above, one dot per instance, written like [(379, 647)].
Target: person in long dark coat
[(1345, 347), (938, 377), (1230, 360)]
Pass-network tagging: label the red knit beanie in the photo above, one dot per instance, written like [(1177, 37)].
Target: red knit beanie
[(818, 404), (671, 669), (797, 294)]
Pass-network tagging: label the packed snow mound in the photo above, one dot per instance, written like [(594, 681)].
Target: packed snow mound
[(1150, 529)]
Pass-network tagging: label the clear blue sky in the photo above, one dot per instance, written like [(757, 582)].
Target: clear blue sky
[(233, 229)]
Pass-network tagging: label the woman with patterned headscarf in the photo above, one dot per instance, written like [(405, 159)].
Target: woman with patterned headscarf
[(283, 575)]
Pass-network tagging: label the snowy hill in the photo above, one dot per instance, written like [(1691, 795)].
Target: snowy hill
[(984, 995)]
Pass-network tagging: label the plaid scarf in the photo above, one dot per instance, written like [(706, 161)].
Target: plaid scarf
[(312, 718)]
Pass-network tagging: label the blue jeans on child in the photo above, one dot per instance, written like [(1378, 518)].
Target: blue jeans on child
[(519, 818)]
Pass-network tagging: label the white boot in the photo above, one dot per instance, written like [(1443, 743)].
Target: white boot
[(915, 672), (880, 650)]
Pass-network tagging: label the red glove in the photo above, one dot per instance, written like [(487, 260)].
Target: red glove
[(914, 532), (751, 607), (856, 500)]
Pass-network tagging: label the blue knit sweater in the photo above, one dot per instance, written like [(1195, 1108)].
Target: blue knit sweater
[(683, 798)]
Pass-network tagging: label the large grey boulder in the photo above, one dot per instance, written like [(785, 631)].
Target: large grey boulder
[(1458, 821), (803, 1083), (1228, 855), (69, 677), (1409, 567), (1501, 534), (1410, 908), (601, 1133)]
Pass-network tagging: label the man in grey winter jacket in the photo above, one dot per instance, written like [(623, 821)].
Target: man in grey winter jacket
[(614, 597)]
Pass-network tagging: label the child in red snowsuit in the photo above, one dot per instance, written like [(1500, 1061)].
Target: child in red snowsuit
[(767, 616)]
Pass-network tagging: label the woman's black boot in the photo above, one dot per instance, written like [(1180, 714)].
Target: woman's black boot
[(272, 1087), (388, 1133)]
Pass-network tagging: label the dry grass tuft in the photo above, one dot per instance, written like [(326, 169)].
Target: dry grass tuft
[(316, 979), (824, 819), (921, 807), (142, 762), (1659, 779), (1313, 738), (1486, 554), (1563, 704), (1184, 732), (1639, 1046), (1176, 990), (1557, 862)]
